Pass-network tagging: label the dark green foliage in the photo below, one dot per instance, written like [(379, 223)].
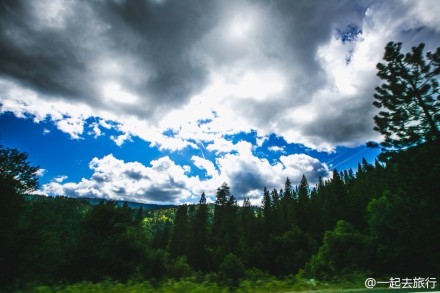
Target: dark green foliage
[(198, 241), (409, 98), (16, 172), (231, 269), (405, 220), (110, 244), (180, 268), (178, 243), (344, 251), (268, 213), (303, 204), (43, 238), (11, 210), (225, 224), (293, 249), (288, 206)]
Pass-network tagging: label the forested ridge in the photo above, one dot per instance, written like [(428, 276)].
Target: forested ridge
[(380, 220)]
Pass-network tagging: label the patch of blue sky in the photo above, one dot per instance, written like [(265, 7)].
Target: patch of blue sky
[(250, 137), (350, 33), (170, 132), (343, 158), (60, 155), (203, 121)]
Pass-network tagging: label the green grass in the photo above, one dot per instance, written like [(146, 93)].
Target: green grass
[(186, 285), (265, 284)]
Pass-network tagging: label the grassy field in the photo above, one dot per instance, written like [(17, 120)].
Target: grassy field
[(191, 285)]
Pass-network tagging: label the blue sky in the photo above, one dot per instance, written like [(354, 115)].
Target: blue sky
[(159, 101)]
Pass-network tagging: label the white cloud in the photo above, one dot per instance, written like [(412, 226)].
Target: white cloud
[(51, 13), (72, 125), (40, 172), (221, 145), (206, 165), (68, 117), (163, 182), (166, 182), (427, 12), (60, 179), (302, 164), (248, 174), (96, 131), (120, 139), (114, 93), (276, 148)]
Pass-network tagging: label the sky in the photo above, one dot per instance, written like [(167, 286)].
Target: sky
[(157, 101)]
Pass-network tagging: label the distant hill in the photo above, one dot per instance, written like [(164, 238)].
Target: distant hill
[(95, 201), (133, 205)]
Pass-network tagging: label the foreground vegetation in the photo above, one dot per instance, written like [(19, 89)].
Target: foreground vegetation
[(195, 284), (188, 285)]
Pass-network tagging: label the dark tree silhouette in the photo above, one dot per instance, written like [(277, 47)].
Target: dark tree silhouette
[(16, 178), (409, 98), (199, 236), (16, 172), (303, 201), (178, 242)]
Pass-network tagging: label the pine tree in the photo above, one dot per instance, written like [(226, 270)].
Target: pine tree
[(231, 236), (220, 211), (248, 223), (222, 198), (178, 241), (288, 191), (276, 211), (139, 216), (409, 97), (267, 213), (287, 206), (199, 236), (225, 226), (303, 201)]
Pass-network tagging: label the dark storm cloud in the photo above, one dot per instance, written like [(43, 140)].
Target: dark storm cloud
[(245, 181), (160, 194), (291, 42), (161, 36), (344, 122), (164, 52), (60, 58), (100, 178), (317, 170), (302, 29), (45, 59), (306, 25), (70, 192), (121, 191), (135, 175)]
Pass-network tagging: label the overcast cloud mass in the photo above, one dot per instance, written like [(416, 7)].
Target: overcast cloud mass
[(191, 74)]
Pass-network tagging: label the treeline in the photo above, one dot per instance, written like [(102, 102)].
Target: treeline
[(378, 220)]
